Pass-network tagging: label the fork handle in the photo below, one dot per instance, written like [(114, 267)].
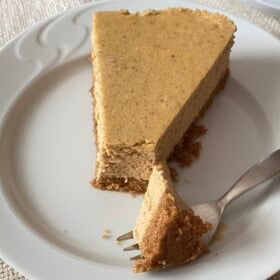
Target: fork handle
[(257, 174)]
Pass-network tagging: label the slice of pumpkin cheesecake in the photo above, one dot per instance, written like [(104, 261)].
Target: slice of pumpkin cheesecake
[(154, 73), (167, 231)]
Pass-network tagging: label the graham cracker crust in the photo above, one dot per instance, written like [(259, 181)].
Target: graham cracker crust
[(185, 152), (173, 237), (130, 185), (189, 148)]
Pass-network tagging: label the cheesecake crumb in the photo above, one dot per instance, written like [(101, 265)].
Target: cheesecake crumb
[(188, 150), (133, 194), (106, 234), (90, 89)]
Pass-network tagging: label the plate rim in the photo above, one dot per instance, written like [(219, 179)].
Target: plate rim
[(2, 120)]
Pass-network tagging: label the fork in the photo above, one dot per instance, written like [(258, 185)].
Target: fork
[(212, 212)]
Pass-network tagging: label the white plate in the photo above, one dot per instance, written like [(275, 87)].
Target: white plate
[(52, 220)]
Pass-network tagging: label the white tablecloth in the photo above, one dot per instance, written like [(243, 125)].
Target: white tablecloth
[(18, 15)]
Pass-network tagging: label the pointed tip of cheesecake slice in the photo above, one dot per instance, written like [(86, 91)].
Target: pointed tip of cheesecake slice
[(167, 231)]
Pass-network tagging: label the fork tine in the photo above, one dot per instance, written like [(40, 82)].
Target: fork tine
[(135, 258), (126, 236), (132, 247)]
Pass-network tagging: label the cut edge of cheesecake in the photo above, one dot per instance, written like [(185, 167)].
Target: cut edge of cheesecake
[(125, 158), (133, 185), (167, 231)]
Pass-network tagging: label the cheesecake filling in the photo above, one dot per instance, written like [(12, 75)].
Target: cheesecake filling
[(154, 73), (124, 168)]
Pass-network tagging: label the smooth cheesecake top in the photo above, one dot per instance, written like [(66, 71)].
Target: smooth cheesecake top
[(147, 65)]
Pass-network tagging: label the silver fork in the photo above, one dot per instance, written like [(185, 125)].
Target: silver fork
[(212, 212)]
